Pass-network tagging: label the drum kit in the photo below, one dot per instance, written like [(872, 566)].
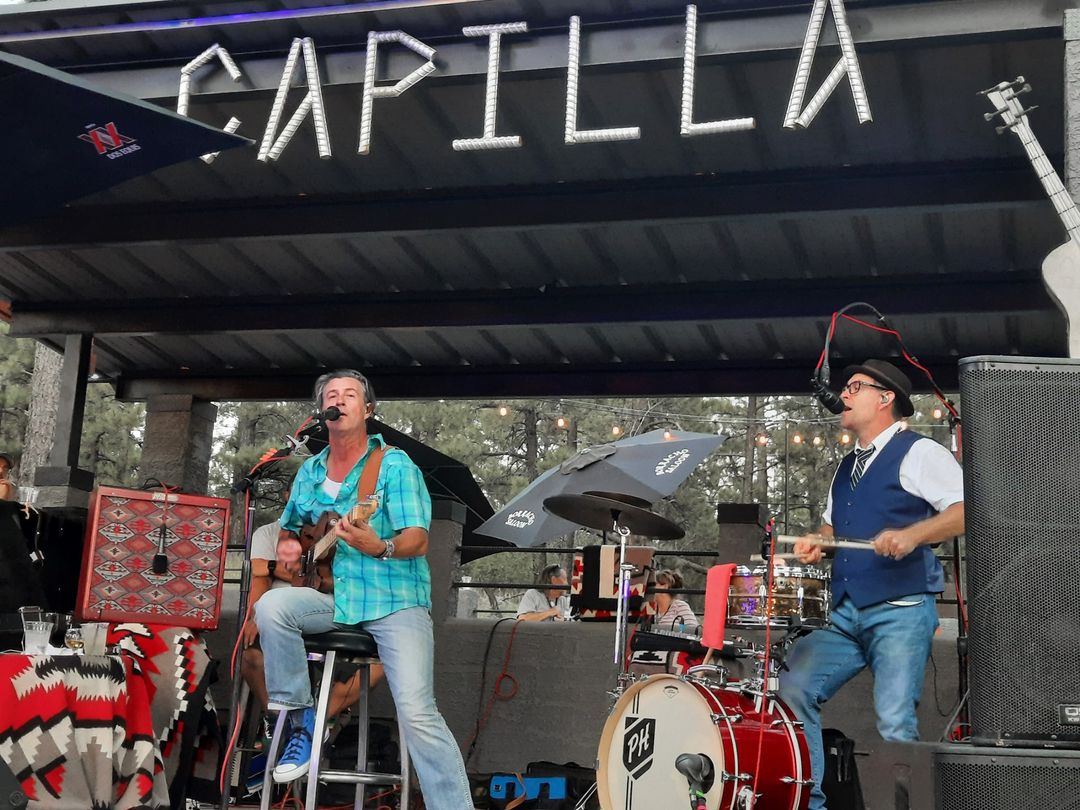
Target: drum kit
[(701, 738)]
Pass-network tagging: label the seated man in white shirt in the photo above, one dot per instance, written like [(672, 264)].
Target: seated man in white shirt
[(550, 604)]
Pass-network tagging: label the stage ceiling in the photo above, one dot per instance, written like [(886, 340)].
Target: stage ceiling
[(665, 265)]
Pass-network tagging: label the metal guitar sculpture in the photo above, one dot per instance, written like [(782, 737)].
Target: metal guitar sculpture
[(1061, 269)]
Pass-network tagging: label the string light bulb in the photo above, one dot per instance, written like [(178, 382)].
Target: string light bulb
[(561, 423), (504, 411), (762, 439), (667, 436), (616, 430), (797, 438), (938, 413), (817, 441), (845, 439)]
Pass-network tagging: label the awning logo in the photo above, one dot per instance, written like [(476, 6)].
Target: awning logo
[(671, 462), (108, 141), (520, 519)]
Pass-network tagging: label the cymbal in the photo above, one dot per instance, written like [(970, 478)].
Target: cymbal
[(595, 512), (633, 500)]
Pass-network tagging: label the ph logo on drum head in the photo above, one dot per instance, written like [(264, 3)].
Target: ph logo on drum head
[(639, 740)]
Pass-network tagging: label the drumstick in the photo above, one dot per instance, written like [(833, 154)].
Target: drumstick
[(825, 542)]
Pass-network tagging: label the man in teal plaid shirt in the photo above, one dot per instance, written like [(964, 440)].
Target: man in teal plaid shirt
[(381, 583)]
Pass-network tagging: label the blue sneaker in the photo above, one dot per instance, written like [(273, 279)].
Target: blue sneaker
[(295, 759)]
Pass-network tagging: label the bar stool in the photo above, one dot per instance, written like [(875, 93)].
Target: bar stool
[(357, 646)]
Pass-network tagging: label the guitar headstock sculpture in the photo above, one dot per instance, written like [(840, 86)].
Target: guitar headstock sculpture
[(1061, 269)]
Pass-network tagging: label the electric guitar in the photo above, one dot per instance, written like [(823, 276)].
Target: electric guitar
[(319, 541), (1061, 269)]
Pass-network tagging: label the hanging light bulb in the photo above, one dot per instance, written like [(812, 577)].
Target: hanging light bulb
[(817, 441), (667, 436), (797, 438), (845, 439), (504, 411), (938, 413), (561, 423), (762, 439), (616, 430)]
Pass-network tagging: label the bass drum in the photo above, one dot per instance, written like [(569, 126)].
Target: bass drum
[(663, 716)]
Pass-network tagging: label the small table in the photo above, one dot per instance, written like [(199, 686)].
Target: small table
[(77, 731)]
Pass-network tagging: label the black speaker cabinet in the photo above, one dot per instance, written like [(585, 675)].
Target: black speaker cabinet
[(967, 778), (1021, 442)]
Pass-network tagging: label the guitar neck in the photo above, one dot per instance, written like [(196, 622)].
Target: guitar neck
[(323, 545), (1059, 196)]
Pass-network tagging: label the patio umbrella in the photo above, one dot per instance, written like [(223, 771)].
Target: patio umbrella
[(446, 479), (70, 138), (649, 466)]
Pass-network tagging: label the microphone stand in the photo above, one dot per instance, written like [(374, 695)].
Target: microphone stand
[(245, 484)]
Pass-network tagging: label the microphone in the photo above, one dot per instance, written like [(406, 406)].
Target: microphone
[(825, 395), (698, 770), (331, 414), (160, 564)]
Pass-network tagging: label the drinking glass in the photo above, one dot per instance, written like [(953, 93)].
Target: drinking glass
[(94, 635), (73, 639), (36, 637)]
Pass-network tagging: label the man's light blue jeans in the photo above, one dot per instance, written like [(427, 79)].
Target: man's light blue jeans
[(892, 639), (407, 652)]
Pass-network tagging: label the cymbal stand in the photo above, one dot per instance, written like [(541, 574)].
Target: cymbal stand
[(622, 609)]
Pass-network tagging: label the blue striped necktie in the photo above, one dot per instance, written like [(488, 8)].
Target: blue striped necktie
[(862, 457)]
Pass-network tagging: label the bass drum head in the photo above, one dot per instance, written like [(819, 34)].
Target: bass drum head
[(654, 721)]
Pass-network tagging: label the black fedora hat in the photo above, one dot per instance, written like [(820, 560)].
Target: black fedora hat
[(891, 377)]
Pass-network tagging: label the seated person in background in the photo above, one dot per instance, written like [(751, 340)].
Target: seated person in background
[(546, 605), (672, 613), (266, 575), (8, 490)]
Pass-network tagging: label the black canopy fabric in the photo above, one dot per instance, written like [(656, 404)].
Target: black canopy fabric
[(68, 138), (446, 478)]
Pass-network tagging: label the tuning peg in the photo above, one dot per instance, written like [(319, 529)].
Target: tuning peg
[(995, 114), (1002, 86), (1009, 95)]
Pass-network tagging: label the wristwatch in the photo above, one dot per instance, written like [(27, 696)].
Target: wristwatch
[(388, 552)]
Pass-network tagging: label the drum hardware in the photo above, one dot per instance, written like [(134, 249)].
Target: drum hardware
[(735, 777), (726, 718), (787, 723), (791, 780), (747, 798)]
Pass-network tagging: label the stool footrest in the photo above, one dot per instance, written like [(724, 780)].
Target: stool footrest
[(352, 778)]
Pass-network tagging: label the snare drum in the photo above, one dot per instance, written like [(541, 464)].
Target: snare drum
[(663, 716), (800, 596)]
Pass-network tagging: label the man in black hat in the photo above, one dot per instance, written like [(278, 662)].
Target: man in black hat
[(902, 493)]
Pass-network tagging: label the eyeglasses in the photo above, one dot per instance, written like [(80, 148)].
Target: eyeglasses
[(855, 386)]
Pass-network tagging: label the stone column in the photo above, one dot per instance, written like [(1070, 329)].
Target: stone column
[(178, 441), (447, 522), (1072, 102), (61, 484)]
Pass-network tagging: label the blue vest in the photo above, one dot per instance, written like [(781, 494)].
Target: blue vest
[(877, 503)]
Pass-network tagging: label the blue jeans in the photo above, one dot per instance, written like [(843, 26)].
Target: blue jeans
[(407, 652), (893, 640)]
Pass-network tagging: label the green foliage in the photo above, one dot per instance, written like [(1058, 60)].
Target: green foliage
[(16, 366)]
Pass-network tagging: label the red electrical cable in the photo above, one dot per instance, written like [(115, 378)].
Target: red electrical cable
[(496, 690)]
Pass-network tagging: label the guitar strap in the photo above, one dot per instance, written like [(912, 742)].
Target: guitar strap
[(370, 475)]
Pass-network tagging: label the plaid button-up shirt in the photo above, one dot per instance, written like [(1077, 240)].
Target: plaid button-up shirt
[(366, 588)]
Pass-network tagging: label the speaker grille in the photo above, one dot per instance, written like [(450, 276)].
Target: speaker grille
[(1022, 495), (1007, 781)]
